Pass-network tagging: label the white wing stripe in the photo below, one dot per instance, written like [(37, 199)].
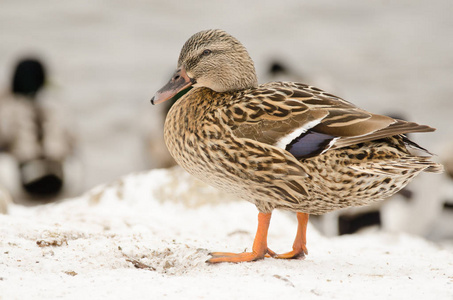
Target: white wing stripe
[(287, 139)]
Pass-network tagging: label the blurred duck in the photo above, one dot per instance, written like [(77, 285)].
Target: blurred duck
[(32, 130)]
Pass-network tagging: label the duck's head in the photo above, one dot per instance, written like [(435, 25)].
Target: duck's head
[(29, 77), (212, 59)]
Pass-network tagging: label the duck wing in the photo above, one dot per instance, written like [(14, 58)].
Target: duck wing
[(307, 121)]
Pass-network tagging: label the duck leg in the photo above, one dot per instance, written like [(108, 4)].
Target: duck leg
[(299, 246), (259, 249)]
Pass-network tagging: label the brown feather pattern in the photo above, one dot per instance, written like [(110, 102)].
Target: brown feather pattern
[(229, 142)]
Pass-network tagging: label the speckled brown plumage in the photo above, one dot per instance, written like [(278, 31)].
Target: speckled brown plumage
[(280, 145), (203, 133)]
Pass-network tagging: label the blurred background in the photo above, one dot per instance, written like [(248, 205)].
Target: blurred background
[(104, 61)]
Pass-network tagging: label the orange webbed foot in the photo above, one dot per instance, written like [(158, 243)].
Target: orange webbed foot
[(259, 249), (294, 254), (218, 257), (299, 247)]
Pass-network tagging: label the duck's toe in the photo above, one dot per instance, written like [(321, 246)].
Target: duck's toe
[(218, 257), (294, 254)]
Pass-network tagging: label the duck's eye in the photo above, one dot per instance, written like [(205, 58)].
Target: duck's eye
[(206, 52)]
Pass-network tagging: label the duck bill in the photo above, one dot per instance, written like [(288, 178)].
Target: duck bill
[(178, 82)]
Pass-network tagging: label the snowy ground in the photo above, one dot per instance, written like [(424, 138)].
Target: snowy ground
[(148, 236)]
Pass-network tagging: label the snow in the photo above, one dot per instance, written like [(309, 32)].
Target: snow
[(147, 236)]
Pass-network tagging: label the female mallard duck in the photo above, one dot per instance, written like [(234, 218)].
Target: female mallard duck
[(282, 144)]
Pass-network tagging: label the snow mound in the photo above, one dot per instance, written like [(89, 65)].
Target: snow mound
[(148, 235)]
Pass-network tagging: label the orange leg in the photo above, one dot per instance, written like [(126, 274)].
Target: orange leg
[(299, 246), (259, 249)]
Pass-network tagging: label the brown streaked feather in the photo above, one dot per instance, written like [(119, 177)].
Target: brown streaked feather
[(276, 109), (397, 128)]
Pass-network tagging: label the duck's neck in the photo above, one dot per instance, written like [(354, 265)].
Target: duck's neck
[(243, 83), (237, 76), (230, 80), (242, 76)]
